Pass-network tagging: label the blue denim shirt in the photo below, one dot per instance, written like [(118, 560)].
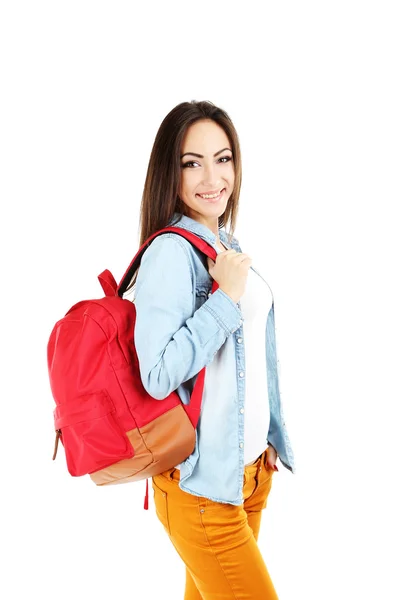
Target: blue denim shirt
[(180, 326)]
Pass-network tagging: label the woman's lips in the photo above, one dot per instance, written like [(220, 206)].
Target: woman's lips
[(212, 200)]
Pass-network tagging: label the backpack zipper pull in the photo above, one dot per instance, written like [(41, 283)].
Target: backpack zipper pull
[(58, 434), (146, 498)]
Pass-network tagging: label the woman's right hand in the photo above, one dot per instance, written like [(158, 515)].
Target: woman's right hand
[(230, 271)]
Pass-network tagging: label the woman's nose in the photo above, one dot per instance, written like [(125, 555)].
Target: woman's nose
[(210, 176)]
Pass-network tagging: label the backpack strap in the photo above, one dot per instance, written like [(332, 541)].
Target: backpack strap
[(108, 283), (194, 407), (194, 239)]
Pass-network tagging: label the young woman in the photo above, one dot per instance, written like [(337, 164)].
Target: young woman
[(210, 505)]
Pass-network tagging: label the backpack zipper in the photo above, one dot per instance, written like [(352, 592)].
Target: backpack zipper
[(58, 435)]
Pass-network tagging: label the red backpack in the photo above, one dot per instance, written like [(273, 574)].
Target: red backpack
[(110, 427)]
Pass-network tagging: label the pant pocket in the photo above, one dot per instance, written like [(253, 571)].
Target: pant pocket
[(266, 476), (161, 506)]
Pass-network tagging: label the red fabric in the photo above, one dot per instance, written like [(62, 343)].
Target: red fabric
[(95, 379), (146, 498)]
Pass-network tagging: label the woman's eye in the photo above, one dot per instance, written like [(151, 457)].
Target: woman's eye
[(190, 163)]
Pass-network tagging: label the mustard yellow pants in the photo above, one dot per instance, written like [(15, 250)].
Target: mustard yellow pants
[(216, 541)]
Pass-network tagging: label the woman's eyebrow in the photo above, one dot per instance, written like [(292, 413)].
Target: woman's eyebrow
[(201, 156)]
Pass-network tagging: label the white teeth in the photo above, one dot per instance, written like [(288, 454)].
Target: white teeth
[(209, 196)]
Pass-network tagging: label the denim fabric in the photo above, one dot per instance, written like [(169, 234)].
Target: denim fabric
[(180, 326)]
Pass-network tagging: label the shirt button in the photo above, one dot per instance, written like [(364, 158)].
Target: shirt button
[(239, 340), (240, 322), (241, 445), (209, 294), (241, 374), (242, 410)]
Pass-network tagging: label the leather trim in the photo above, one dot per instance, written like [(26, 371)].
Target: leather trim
[(160, 445)]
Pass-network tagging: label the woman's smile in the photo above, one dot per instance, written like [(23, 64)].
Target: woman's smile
[(212, 198)]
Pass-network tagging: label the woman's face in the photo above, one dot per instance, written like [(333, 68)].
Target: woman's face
[(206, 168)]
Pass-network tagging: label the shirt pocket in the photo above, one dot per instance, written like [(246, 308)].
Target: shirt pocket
[(161, 506)]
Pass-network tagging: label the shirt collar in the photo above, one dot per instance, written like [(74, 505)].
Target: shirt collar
[(198, 228)]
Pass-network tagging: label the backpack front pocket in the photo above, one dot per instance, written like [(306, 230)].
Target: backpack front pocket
[(90, 433)]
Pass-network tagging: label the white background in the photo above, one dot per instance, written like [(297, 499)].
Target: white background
[(313, 90)]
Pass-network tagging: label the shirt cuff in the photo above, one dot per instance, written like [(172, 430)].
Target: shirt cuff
[(224, 310)]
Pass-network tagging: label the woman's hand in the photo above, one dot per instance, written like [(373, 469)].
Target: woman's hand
[(230, 271), (271, 457)]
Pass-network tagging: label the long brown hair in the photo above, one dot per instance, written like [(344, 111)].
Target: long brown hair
[(160, 198)]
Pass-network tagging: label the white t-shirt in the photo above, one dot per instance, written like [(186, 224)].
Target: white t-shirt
[(255, 305)]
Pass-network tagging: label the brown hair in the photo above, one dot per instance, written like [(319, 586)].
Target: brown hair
[(160, 198)]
